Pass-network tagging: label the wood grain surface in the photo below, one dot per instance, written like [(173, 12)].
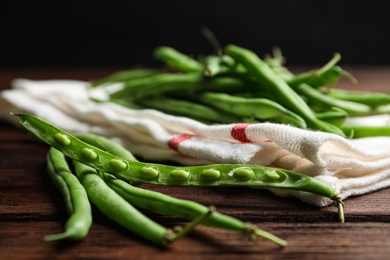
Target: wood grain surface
[(30, 207)]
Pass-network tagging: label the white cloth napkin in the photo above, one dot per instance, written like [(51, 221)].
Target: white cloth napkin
[(351, 167)]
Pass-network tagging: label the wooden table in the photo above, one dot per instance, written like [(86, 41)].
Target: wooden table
[(31, 208)]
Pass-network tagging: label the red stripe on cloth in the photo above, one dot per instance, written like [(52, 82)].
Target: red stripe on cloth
[(174, 142), (238, 133)]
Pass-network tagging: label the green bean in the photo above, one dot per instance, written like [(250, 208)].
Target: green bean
[(190, 109), (138, 172), (326, 75), (125, 75), (372, 99), (75, 196), (165, 204), (334, 116), (366, 131), (117, 209), (316, 98), (259, 108), (177, 60), (177, 83), (283, 92)]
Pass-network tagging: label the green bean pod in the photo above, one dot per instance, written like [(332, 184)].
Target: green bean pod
[(190, 109), (139, 172), (177, 60), (165, 204), (372, 99), (334, 116), (75, 197), (366, 131), (259, 108), (317, 99)]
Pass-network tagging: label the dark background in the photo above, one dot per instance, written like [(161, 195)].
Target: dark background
[(124, 33)]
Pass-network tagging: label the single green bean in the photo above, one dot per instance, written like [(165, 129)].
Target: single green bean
[(119, 210), (334, 116), (208, 175), (318, 99), (284, 94), (177, 60), (258, 108), (372, 99), (75, 196), (366, 131), (189, 109)]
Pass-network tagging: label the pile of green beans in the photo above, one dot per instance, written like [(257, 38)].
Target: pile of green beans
[(109, 173), (115, 195), (238, 86)]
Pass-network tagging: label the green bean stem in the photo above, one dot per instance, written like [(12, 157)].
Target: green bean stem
[(138, 172), (75, 196)]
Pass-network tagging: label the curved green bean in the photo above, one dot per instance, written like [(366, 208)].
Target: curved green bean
[(75, 196), (318, 99), (119, 210), (209, 175)]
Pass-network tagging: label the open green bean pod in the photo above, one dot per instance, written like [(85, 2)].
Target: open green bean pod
[(207, 175)]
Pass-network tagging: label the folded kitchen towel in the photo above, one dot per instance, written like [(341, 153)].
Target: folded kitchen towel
[(351, 167)]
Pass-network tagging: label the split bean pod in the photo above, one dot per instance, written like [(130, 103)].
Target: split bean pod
[(139, 172)]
